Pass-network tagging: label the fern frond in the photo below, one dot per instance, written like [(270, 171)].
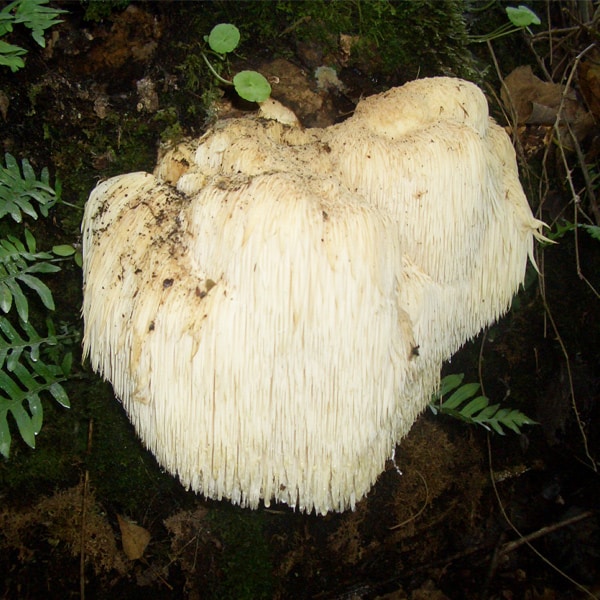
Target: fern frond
[(25, 383), (10, 56), (13, 343), (593, 230), (476, 411), (18, 262), (37, 17), (19, 191)]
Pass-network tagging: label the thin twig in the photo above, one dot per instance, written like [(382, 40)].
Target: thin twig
[(544, 179), (480, 362), (575, 197), (577, 203), (589, 187), (510, 546), (510, 115), (561, 343), (154, 571), (82, 538), (415, 516), (522, 537), (82, 535)]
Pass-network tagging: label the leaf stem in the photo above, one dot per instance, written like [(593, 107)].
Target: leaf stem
[(212, 70)]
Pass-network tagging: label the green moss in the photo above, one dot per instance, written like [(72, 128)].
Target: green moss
[(29, 473), (121, 470), (54, 463), (394, 41), (97, 10), (246, 561), (417, 38), (105, 148)]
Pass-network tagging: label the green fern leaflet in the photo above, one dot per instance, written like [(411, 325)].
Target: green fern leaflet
[(475, 410), (19, 265), (20, 192), (24, 377)]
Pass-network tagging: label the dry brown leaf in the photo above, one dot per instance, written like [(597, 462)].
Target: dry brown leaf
[(134, 538), (589, 82), (537, 102), (534, 100)]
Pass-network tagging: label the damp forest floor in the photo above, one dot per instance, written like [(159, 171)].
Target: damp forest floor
[(463, 513)]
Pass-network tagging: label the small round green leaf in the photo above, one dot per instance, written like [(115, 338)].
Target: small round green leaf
[(224, 38), (522, 16), (63, 250), (252, 86)]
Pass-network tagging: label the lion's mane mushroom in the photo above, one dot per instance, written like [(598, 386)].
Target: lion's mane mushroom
[(273, 305)]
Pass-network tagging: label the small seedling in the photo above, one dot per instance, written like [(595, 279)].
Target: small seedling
[(250, 85), (520, 18)]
